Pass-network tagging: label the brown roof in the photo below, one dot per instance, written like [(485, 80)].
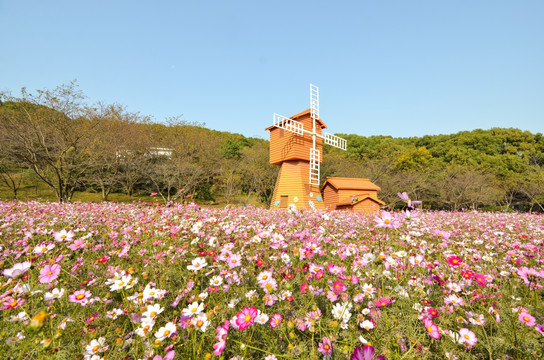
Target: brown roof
[(359, 198), (351, 183), (302, 114)]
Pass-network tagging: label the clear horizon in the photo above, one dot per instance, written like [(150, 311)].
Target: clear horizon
[(400, 69)]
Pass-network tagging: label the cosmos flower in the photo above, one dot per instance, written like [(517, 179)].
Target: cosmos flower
[(197, 264), (467, 337), (432, 329), (526, 318), (246, 317), (325, 347), (276, 320), (367, 353), (17, 269), (80, 297), (165, 331), (49, 273)]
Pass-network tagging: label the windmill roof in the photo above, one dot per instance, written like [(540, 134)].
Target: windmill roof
[(351, 183), (306, 112), (360, 198)]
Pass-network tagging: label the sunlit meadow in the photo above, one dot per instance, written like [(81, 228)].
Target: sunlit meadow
[(148, 281)]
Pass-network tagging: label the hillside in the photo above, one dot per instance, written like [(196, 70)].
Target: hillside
[(68, 146)]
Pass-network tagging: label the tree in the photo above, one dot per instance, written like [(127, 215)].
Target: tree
[(258, 176), (51, 133), (11, 172)]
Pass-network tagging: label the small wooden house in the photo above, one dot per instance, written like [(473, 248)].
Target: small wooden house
[(352, 194)]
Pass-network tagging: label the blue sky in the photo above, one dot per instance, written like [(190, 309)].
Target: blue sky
[(400, 68)]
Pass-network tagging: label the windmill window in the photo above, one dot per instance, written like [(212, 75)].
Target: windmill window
[(284, 199)]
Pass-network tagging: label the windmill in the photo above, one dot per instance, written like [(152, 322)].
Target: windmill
[(295, 144)]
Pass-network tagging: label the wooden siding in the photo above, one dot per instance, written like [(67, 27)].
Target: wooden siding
[(330, 197), (286, 145), (293, 182), (367, 206), (344, 194)]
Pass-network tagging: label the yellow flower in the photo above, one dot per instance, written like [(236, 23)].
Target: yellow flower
[(38, 320)]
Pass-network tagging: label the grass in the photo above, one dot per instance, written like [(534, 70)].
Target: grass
[(42, 192)]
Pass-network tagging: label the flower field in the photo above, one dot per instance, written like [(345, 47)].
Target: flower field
[(148, 281)]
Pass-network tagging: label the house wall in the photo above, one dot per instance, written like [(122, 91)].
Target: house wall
[(367, 206), (330, 197), (344, 194), (293, 181), (286, 145)]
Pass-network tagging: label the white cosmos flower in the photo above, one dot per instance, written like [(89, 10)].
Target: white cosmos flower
[(152, 311), (166, 331), (261, 318), (54, 294), (367, 325), (193, 309), (197, 264), (200, 322)]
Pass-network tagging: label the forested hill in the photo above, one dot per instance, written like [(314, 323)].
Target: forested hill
[(57, 139)]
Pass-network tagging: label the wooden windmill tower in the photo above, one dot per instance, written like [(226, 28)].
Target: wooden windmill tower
[(295, 144)]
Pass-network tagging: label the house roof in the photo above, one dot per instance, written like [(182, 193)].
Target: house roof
[(342, 183), (300, 115), (360, 198)]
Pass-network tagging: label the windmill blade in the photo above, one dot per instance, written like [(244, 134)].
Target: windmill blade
[(334, 140), (314, 102), (288, 124), (315, 156)]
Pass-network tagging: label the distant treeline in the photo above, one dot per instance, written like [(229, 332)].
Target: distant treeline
[(56, 137)]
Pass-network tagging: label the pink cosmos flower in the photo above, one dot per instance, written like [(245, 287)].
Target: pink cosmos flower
[(386, 221), (80, 296), (325, 347), (540, 328), (49, 273), (17, 269), (304, 287), (467, 337), (234, 261), (530, 276), (527, 318), (246, 317), (275, 320), (442, 234), (221, 336), (432, 329), (169, 356), (11, 303)]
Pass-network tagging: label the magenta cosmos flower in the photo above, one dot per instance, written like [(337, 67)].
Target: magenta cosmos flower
[(275, 320), (49, 273), (455, 260), (80, 296), (325, 347), (382, 302), (367, 353), (246, 317)]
